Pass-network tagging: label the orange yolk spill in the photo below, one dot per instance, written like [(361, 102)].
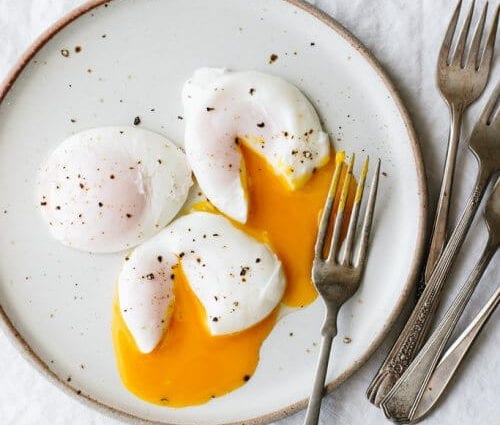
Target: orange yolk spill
[(289, 219), (189, 366)]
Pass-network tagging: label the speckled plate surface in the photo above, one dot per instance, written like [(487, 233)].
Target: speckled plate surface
[(107, 63)]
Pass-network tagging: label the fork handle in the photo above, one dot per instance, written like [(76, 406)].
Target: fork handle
[(439, 231), (453, 357), (401, 402), (417, 326), (328, 332)]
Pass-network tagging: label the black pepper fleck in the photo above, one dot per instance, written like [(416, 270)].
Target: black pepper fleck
[(251, 91), (261, 124), (137, 120), (273, 58), (246, 378), (209, 109)]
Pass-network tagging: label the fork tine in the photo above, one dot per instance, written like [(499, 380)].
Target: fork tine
[(367, 222), (490, 106), (334, 243), (473, 58), (327, 209), (458, 53), (448, 38), (351, 231), (485, 63)]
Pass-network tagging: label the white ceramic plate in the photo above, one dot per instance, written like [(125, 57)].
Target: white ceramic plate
[(135, 55)]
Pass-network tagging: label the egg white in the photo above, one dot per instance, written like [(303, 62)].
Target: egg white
[(238, 280), (268, 112), (108, 189)]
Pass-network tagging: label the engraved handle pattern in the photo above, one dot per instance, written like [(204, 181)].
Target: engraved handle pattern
[(416, 329)]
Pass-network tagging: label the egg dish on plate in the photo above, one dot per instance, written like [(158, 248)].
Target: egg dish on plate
[(208, 263)]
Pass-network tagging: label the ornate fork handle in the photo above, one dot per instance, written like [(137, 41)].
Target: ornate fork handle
[(402, 401), (417, 327)]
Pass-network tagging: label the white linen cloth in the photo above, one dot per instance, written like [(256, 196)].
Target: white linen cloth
[(405, 37)]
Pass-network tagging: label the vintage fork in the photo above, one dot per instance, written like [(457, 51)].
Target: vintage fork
[(461, 82), (336, 280), (413, 335), (402, 401), (451, 360), (485, 145)]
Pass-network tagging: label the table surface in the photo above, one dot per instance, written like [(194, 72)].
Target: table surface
[(405, 38)]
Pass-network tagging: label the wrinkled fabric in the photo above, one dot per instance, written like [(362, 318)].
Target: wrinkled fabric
[(405, 37)]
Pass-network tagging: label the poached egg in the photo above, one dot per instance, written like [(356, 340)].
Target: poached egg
[(108, 189), (223, 108)]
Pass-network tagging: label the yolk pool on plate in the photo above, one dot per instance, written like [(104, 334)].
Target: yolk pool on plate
[(190, 366), (289, 219)]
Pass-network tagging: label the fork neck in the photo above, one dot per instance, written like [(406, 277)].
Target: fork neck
[(329, 328), (456, 114)]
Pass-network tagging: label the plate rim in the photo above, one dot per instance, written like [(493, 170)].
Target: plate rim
[(41, 367)]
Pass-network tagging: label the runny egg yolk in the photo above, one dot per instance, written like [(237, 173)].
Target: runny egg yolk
[(190, 366), (288, 219)]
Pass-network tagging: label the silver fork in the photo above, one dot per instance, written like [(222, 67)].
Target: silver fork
[(451, 360), (402, 401), (336, 280), (483, 144), (461, 81)]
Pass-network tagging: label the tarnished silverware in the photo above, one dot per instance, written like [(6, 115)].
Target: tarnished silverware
[(448, 365), (461, 80), (485, 145), (337, 279), (401, 402)]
